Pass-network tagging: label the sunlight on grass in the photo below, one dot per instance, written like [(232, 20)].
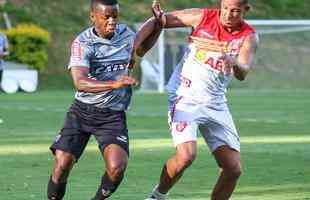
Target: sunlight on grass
[(20, 149)]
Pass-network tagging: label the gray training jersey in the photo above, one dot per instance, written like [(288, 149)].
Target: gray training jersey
[(107, 61)]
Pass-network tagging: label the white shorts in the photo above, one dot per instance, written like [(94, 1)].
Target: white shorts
[(215, 125)]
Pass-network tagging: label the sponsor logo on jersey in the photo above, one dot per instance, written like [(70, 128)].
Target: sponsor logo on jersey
[(111, 67)]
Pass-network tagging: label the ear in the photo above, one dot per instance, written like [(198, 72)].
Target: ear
[(92, 17), (247, 7)]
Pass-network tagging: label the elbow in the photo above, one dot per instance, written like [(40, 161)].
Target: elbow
[(140, 52), (79, 85), (240, 78), (241, 75)]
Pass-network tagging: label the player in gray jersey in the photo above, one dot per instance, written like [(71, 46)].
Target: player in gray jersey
[(99, 64)]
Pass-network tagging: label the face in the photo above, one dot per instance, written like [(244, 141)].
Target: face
[(232, 13), (105, 19)]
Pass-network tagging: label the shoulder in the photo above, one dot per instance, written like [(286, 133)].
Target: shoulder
[(86, 36), (210, 12), (124, 29), (207, 15), (251, 41), (248, 28)]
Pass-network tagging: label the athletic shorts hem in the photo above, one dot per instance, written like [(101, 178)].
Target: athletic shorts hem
[(176, 143), (120, 144), (54, 147), (215, 147)]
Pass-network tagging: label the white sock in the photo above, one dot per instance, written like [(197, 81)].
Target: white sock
[(159, 195)]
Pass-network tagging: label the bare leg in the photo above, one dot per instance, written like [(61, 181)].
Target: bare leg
[(175, 166), (116, 160), (62, 166), (229, 161)]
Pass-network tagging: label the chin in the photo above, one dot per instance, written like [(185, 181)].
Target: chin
[(109, 35)]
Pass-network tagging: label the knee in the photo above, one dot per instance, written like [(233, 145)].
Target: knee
[(64, 161), (185, 160), (233, 173), (116, 169)]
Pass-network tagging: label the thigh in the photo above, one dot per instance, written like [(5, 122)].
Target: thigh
[(183, 132), (112, 131), (71, 138), (219, 130), (183, 124), (217, 135)]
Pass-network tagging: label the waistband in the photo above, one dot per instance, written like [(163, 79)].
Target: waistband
[(91, 107)]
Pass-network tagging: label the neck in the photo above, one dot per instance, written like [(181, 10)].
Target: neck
[(232, 29), (101, 35)]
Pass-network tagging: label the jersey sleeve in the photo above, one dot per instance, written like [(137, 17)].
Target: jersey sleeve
[(80, 55)]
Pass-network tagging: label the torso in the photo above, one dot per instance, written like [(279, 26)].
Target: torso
[(107, 60), (202, 77)]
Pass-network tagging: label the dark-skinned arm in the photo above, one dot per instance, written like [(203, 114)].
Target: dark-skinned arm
[(151, 29), (83, 83), (147, 36)]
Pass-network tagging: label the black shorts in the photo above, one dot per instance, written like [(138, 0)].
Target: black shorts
[(83, 120)]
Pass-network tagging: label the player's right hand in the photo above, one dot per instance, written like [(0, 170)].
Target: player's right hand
[(158, 13), (124, 81)]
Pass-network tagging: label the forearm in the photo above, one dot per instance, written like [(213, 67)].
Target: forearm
[(94, 86), (147, 36), (240, 71)]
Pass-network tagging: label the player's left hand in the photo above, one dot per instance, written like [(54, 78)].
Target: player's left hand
[(228, 63), (132, 60), (158, 13)]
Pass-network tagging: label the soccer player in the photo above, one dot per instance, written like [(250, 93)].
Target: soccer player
[(222, 46), (99, 65)]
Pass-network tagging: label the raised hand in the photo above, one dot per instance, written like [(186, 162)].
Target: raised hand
[(158, 13)]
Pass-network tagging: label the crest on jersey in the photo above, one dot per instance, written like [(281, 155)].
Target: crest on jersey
[(180, 126), (76, 51)]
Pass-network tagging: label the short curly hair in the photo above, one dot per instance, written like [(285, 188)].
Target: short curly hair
[(94, 3)]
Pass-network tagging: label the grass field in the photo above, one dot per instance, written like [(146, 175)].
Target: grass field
[(275, 134)]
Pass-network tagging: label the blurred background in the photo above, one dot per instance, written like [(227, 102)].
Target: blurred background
[(271, 108), (63, 20)]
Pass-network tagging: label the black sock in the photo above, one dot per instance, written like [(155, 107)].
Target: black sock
[(106, 188), (55, 191)]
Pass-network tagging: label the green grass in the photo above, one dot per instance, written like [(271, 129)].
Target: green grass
[(274, 128)]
